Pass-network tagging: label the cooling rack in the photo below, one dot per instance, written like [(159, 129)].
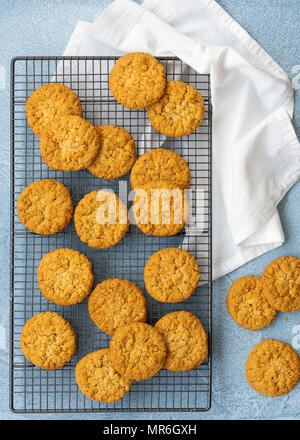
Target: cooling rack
[(39, 391)]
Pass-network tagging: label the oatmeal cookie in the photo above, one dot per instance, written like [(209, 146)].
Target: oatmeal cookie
[(160, 164), (49, 101), (69, 143), (116, 155), (281, 282), (45, 207), (186, 340), (137, 80), (65, 276), (98, 380), (116, 302), (137, 351), (171, 275), (179, 111), (101, 219), (48, 340), (160, 209), (247, 304), (273, 368)]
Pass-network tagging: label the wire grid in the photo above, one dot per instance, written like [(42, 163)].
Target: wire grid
[(36, 390)]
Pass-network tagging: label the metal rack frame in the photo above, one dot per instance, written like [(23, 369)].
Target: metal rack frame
[(33, 390)]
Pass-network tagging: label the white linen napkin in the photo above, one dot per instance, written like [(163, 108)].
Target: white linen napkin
[(256, 152)]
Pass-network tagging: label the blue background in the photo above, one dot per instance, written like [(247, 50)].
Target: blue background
[(40, 27)]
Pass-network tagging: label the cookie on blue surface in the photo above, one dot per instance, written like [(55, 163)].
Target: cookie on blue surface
[(281, 281), (273, 368), (248, 305)]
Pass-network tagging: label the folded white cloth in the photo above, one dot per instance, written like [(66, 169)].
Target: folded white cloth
[(256, 152)]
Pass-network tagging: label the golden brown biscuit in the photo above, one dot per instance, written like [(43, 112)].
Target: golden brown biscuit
[(186, 340), (65, 276), (137, 80), (281, 282), (98, 380), (48, 340), (179, 111), (49, 101), (45, 207), (137, 351), (160, 164), (273, 368), (101, 219), (116, 302), (116, 155), (247, 304), (171, 275), (160, 209), (69, 143)]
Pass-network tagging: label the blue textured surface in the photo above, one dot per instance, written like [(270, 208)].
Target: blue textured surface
[(37, 27)]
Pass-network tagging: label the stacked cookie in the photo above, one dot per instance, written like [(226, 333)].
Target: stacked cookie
[(70, 143), (159, 179), (138, 351), (273, 367), (138, 81)]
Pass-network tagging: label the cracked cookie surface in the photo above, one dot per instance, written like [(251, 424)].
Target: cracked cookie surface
[(116, 155), (116, 302), (101, 219), (137, 351), (98, 380), (160, 208), (179, 111), (281, 281), (273, 368), (171, 275), (247, 304), (160, 164), (45, 206), (49, 101), (48, 340), (65, 276), (186, 340), (69, 143), (137, 80)]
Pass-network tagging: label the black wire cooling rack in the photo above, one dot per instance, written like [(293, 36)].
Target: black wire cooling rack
[(40, 391)]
